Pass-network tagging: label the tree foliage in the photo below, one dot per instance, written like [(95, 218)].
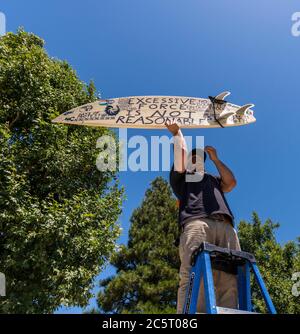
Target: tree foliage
[(277, 264), (58, 213), (147, 269), (146, 277)]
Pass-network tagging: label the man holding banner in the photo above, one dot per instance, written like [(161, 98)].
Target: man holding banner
[(204, 215)]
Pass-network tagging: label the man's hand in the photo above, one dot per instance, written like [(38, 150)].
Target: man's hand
[(212, 152), (172, 126)]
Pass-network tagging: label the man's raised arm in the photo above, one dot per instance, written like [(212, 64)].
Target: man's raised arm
[(180, 149), (228, 181)]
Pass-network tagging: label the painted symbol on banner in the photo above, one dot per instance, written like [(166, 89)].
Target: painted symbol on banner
[(110, 110)]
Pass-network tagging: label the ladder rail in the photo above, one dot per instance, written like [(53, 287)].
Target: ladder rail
[(263, 289), (244, 288), (210, 298), (190, 305)]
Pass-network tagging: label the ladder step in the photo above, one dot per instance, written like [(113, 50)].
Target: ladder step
[(225, 310)]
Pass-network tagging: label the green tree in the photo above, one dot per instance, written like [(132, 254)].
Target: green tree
[(147, 269), (146, 277), (277, 264), (58, 213)]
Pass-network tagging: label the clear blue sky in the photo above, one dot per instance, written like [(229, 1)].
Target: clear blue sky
[(192, 48)]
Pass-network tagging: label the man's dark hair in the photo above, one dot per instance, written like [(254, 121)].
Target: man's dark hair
[(196, 151)]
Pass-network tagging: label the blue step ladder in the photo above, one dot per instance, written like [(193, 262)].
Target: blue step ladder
[(231, 261)]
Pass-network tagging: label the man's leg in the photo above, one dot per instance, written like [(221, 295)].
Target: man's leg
[(195, 232), (226, 284)]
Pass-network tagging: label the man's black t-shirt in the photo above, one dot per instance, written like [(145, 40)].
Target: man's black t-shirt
[(199, 199)]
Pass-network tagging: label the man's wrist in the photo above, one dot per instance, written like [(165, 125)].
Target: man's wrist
[(178, 133)]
